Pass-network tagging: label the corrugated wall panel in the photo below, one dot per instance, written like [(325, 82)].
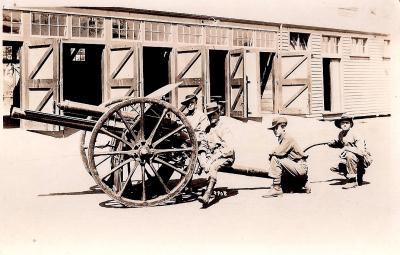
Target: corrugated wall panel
[(317, 90), (366, 81)]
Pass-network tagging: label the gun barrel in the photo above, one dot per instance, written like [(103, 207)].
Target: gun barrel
[(87, 109), (66, 121)]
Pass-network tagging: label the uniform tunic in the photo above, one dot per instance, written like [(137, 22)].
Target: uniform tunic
[(352, 159), (199, 122), (216, 146), (287, 156)]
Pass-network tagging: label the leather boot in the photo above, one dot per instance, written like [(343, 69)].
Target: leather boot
[(206, 197), (275, 190)]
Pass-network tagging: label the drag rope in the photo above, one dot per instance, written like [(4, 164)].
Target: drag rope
[(317, 144)]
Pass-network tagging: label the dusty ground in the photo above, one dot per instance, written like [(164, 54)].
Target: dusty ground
[(47, 206)]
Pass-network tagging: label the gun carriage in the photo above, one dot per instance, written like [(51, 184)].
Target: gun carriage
[(140, 151)]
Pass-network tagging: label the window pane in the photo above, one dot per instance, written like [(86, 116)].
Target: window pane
[(16, 17), (62, 20), (84, 32), (75, 31), (99, 33), (53, 20), (61, 31), (53, 31), (114, 23), (92, 32), (6, 16), (44, 30), (6, 27), (115, 33), (15, 28), (100, 22), (44, 19), (75, 21), (130, 34), (35, 29)]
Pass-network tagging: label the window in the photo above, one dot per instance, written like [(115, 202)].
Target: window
[(7, 53), (330, 44), (358, 46), (11, 22), (189, 34), (48, 24), (265, 39), (125, 29), (242, 37), (386, 49), (154, 31), (83, 26), (216, 35), (299, 41), (78, 54)]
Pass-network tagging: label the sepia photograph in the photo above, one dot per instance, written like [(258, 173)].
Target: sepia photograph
[(200, 127)]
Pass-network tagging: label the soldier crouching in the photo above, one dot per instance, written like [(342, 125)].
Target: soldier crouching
[(287, 158), (214, 151)]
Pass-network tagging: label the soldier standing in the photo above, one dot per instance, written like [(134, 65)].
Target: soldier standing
[(215, 149), (287, 157)]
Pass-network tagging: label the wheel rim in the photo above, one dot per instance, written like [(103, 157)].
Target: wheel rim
[(142, 152), (85, 135)]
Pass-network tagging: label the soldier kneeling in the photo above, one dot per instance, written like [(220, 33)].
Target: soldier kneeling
[(214, 151), (286, 159)]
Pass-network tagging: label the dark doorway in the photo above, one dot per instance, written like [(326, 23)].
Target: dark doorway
[(266, 81), (155, 68), (82, 73), (217, 60), (327, 83), (11, 81)]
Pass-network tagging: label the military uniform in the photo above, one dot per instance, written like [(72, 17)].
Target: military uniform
[(218, 152), (286, 159), (355, 158), (216, 149)]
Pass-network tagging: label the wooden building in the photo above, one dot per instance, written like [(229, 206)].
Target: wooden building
[(92, 55)]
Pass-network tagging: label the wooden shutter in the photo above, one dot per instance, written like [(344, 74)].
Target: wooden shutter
[(190, 70), (41, 66), (294, 83)]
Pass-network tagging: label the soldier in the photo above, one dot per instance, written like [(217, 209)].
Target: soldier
[(354, 156), (287, 157), (197, 119), (215, 149)]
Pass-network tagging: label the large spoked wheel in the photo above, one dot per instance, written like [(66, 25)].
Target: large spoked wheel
[(142, 152), (85, 135)]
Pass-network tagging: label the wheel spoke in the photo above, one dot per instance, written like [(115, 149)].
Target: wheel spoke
[(159, 151), (104, 131), (169, 165), (143, 183), (129, 152), (102, 161), (128, 179), (168, 135), (117, 167), (127, 125), (153, 132), (141, 131), (159, 178)]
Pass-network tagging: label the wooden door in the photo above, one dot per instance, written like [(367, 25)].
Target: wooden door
[(41, 87), (237, 85), (293, 90), (122, 70), (190, 70)]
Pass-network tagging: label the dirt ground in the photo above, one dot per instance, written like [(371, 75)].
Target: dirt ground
[(48, 206)]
